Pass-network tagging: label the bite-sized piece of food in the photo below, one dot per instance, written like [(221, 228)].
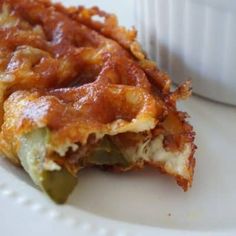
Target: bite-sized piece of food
[(76, 115), (116, 126), (42, 131), (79, 92)]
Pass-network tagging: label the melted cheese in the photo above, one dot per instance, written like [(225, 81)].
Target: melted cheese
[(62, 149), (152, 151)]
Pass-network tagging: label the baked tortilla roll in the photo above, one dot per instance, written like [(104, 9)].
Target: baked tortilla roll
[(113, 126), (76, 92)]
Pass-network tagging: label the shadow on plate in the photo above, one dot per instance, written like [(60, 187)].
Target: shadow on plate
[(16, 171)]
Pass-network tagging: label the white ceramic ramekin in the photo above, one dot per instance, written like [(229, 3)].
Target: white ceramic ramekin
[(193, 39)]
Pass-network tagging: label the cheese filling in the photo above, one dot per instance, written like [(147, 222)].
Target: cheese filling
[(153, 151)]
